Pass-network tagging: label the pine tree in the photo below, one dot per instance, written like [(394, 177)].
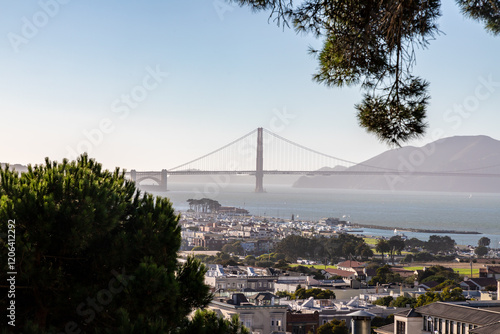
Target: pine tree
[(372, 44), (93, 254)]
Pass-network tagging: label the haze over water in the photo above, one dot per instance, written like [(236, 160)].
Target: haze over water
[(424, 210)]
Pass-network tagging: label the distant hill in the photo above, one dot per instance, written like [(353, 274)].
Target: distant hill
[(454, 154), (18, 167)]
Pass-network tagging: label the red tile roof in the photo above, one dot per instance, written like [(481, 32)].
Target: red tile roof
[(339, 272), (351, 264)]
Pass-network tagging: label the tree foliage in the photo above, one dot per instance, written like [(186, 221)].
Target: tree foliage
[(208, 322), (234, 248), (481, 251), (439, 243), (93, 253), (382, 247), (384, 301), (484, 241), (385, 276), (438, 274), (448, 295), (333, 327), (372, 43), (396, 246), (204, 205), (344, 246), (316, 293), (403, 301)]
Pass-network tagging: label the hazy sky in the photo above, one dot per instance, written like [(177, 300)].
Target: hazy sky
[(150, 85)]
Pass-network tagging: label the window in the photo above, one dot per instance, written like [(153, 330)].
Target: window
[(452, 327), (247, 321), (400, 327)]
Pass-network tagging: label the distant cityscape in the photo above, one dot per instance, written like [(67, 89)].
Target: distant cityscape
[(252, 273)]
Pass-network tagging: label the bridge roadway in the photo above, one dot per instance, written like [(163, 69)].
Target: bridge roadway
[(328, 173), (161, 177)]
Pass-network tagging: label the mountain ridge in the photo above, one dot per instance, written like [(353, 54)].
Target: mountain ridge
[(452, 154)]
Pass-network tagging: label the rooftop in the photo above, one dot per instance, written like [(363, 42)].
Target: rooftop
[(460, 313)]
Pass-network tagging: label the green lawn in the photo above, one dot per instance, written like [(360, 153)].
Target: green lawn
[(461, 271), (371, 241)]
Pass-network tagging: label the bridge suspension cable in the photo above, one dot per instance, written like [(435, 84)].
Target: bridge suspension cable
[(350, 163), (214, 152), (281, 155)]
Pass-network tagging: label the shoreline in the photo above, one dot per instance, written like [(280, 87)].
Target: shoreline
[(417, 230), (376, 227)]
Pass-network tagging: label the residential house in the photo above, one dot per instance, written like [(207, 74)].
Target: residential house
[(477, 283), (447, 318), (490, 271), (262, 318), (302, 323)]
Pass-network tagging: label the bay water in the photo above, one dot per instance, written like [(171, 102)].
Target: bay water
[(478, 212)]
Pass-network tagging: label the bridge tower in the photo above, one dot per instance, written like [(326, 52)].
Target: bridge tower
[(133, 175), (259, 170), (163, 179)]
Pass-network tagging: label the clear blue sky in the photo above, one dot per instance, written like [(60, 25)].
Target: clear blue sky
[(65, 67)]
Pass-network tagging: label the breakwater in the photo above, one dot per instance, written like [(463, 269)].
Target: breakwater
[(411, 229)]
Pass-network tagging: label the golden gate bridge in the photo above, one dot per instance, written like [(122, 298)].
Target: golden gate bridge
[(262, 152)]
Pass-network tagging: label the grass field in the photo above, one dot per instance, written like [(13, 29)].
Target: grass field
[(461, 271), (371, 241)]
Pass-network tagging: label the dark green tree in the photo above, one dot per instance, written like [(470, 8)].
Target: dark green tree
[(446, 284), (234, 248), (403, 301), (481, 251), (204, 205), (294, 246), (93, 253), (438, 274), (385, 276), (438, 244), (384, 301), (447, 295), (396, 245), (317, 293), (484, 241), (208, 322), (372, 43), (363, 251), (333, 327), (382, 247)]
